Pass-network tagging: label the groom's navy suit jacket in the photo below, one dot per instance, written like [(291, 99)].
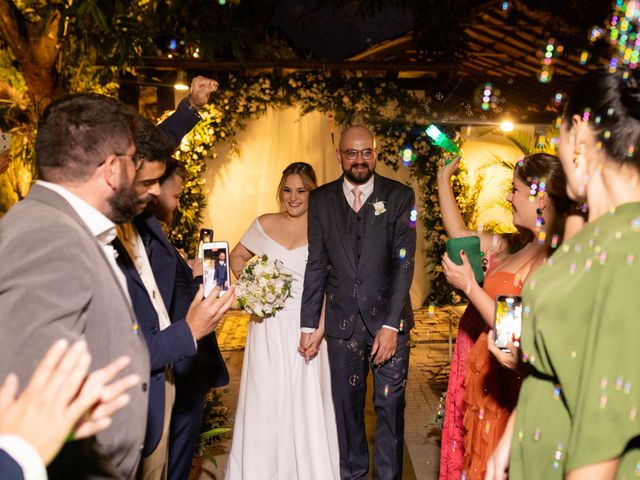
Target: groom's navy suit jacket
[(376, 285)]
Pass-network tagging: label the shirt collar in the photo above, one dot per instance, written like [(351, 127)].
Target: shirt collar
[(103, 229), (366, 188)]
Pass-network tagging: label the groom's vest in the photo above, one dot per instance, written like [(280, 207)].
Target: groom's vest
[(355, 229)]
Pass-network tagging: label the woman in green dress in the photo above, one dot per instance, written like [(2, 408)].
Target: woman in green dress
[(577, 414)]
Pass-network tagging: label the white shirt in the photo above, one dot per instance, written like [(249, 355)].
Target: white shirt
[(25, 455), (103, 229), (366, 189), (130, 238)]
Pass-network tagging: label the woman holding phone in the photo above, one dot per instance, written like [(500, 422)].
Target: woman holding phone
[(481, 393), (576, 416)]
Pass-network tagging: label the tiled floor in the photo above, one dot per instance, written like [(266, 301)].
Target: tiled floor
[(428, 370)]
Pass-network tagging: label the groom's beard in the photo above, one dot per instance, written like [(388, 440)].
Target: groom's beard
[(360, 177)]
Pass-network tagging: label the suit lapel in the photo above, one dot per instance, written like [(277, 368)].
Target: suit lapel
[(372, 222), (340, 216)]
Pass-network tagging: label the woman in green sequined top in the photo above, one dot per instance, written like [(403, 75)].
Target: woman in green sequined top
[(577, 414)]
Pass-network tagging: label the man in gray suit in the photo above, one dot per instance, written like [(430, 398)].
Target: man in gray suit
[(59, 277)]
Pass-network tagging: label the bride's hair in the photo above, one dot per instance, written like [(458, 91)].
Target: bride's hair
[(306, 173)]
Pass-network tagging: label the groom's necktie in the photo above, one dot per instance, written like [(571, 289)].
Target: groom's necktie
[(357, 203)]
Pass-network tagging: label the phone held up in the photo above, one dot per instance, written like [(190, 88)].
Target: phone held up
[(215, 267), (508, 320)]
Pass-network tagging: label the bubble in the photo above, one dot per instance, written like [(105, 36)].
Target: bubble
[(481, 414), (604, 399), (404, 383), (604, 383), (627, 388), (343, 324), (536, 435), (635, 224), (572, 268), (401, 328), (520, 436), (487, 427), (402, 253), (439, 96), (587, 264), (633, 413), (386, 390), (602, 258), (374, 311), (555, 240), (565, 248), (556, 391), (573, 355), (354, 380), (431, 310), (578, 248)]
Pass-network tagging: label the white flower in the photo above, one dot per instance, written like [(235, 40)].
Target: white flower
[(379, 208), (263, 288)]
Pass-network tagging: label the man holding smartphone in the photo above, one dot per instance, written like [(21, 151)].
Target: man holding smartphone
[(150, 263)]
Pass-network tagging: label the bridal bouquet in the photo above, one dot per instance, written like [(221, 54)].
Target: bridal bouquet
[(263, 287)]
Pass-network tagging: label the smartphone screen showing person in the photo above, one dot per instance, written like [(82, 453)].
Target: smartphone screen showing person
[(215, 266), (508, 320)]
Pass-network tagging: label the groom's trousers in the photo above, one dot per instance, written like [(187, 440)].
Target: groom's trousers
[(350, 362)]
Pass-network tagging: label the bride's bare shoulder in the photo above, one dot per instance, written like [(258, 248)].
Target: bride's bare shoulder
[(269, 219)]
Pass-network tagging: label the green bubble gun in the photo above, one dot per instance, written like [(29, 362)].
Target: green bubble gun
[(441, 140)]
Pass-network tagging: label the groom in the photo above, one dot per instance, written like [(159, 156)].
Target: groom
[(361, 256)]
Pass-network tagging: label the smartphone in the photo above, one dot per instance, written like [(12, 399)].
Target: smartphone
[(508, 320), (5, 142), (206, 236), (215, 267)]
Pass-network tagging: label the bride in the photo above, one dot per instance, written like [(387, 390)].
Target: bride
[(285, 423)]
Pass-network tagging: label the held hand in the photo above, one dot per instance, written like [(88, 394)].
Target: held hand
[(313, 345), (459, 276), (447, 170), (384, 346), (201, 88), (508, 358), (205, 314), (305, 340)]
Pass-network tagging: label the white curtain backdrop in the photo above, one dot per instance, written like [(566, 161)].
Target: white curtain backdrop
[(242, 184)]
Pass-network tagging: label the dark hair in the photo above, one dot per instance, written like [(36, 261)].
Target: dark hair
[(611, 102), (546, 169), (77, 132), (173, 166), (306, 173), (152, 144)]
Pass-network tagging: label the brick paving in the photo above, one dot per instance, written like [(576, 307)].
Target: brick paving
[(428, 371)]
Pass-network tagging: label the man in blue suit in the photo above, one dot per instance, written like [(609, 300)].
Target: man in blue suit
[(151, 266), (196, 375), (221, 271)]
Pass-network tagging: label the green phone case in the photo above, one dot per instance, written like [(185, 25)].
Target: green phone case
[(471, 247)]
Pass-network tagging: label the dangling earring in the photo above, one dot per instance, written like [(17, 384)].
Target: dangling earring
[(539, 218)]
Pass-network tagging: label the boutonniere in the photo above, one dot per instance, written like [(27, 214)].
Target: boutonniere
[(378, 207)]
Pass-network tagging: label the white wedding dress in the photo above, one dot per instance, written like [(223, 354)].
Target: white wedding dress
[(284, 424)]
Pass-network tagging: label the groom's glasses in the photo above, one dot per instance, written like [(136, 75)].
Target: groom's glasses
[(352, 153)]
